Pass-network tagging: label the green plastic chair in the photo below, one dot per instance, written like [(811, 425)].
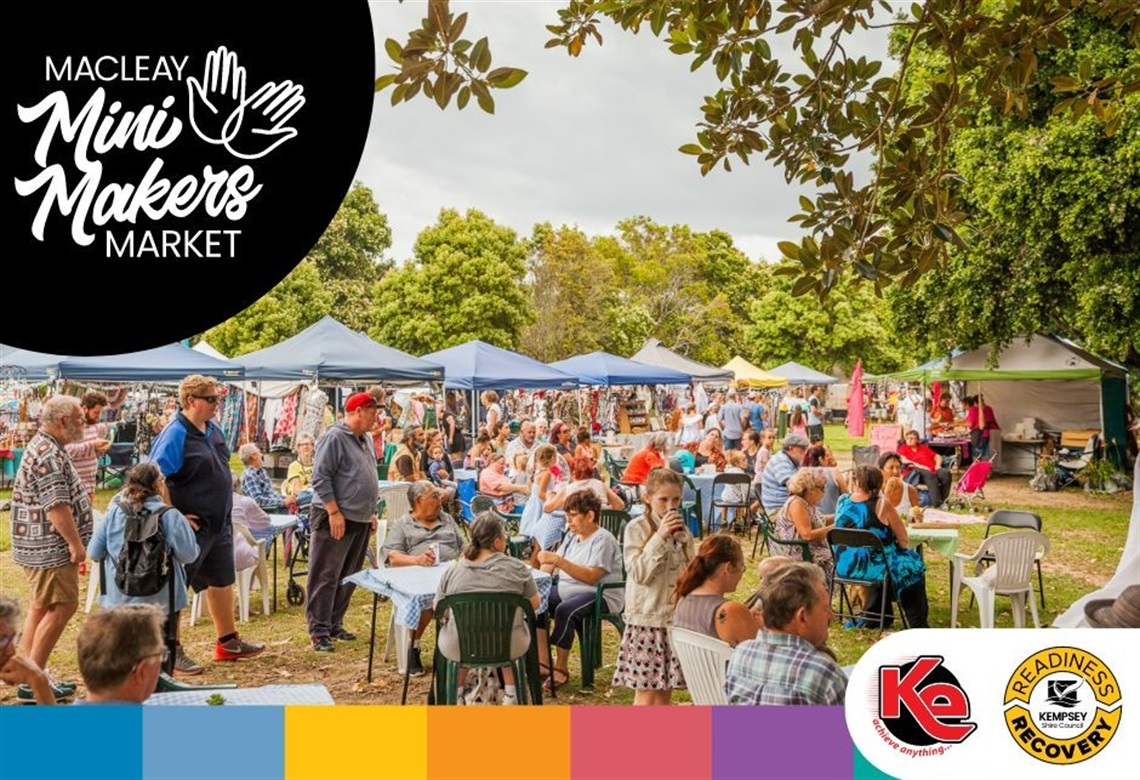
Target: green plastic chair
[(592, 626), (614, 521), (769, 536), (484, 623)]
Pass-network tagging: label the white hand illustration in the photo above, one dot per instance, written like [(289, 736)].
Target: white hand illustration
[(216, 102), (262, 119)]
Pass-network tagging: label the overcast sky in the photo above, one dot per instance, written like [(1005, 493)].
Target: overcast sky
[(584, 142)]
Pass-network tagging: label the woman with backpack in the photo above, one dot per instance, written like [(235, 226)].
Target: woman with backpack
[(142, 495)]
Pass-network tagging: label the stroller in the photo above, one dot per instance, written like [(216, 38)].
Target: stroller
[(970, 487), (297, 549)]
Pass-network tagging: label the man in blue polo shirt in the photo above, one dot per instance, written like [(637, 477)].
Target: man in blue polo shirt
[(192, 454)]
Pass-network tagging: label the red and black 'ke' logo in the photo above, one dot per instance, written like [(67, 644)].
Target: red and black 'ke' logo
[(922, 703)]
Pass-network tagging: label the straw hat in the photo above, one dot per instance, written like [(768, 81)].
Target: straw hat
[(1121, 612)]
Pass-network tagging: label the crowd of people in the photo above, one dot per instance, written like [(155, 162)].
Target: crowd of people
[(547, 479)]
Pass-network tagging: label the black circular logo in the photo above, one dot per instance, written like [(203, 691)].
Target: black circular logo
[(169, 163)]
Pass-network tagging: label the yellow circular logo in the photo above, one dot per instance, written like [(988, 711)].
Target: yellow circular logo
[(1062, 705)]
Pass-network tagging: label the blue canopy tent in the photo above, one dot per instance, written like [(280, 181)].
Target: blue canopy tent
[(602, 368), (797, 374), (330, 351), (162, 364), (477, 366), (25, 365)]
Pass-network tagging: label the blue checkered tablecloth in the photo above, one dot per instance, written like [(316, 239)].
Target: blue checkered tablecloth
[(271, 695), (278, 524), (412, 588)]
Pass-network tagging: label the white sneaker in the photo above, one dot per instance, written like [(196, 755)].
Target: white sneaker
[(509, 700)]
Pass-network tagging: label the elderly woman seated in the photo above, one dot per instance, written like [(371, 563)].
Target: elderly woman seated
[(494, 482), (256, 484), (485, 568), (800, 518), (923, 465)]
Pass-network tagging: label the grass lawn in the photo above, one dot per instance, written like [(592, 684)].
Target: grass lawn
[(1087, 533)]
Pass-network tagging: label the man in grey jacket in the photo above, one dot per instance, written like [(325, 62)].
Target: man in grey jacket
[(342, 518)]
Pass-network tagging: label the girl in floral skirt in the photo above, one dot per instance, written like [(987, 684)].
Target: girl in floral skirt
[(658, 547)]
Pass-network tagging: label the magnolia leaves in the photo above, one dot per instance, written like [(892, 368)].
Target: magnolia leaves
[(437, 62)]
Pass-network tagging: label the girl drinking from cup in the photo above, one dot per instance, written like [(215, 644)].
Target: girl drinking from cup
[(658, 547)]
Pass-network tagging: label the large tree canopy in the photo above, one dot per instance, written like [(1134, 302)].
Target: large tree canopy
[(809, 116), (336, 277), (465, 282), (1055, 210)]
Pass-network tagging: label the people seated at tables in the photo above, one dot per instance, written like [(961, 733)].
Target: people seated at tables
[(32, 681), (588, 555), (924, 464), (300, 472), (526, 441), (500, 433), (413, 540), (800, 518), (651, 456), (785, 463), (477, 455), (562, 438), (536, 523), (751, 450), (902, 496), (255, 482), (494, 482), (701, 593), (583, 477), (408, 461), (121, 651), (786, 664), (820, 456), (485, 568), (143, 491), (711, 450), (865, 508)]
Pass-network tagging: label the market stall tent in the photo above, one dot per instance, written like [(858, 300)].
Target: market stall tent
[(330, 351), (655, 353), (1046, 377), (750, 375), (171, 363), (478, 365), (27, 366), (796, 374), (602, 368)]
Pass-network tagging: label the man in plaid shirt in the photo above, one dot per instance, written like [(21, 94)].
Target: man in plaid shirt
[(256, 484), (785, 663)]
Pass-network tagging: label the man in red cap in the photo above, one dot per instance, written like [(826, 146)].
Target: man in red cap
[(342, 518)]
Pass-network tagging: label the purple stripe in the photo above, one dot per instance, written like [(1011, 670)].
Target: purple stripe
[(796, 743)]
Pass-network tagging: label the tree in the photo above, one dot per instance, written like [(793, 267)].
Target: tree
[(684, 284), (810, 115), (336, 277), (788, 327), (571, 288), (298, 301), (1055, 205), (466, 281)]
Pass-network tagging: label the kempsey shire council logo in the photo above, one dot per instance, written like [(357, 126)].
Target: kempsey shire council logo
[(1062, 705), (187, 153), (922, 709)]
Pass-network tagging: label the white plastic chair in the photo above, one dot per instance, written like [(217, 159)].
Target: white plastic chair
[(1014, 557), (395, 500), (244, 580), (704, 664)]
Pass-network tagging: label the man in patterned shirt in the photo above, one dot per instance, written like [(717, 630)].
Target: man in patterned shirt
[(85, 452), (256, 484), (51, 526), (786, 662)]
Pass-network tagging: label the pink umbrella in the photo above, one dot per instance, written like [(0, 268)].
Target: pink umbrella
[(855, 401)]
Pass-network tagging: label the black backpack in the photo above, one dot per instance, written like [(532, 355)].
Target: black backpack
[(143, 566)]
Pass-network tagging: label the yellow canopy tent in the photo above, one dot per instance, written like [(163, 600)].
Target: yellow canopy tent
[(748, 375)]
